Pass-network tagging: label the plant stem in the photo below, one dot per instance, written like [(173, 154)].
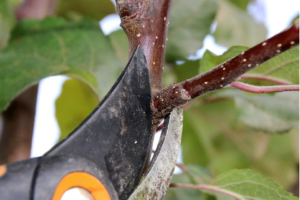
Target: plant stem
[(264, 78), (18, 123), (263, 89), (182, 167), (146, 23), (178, 94), (207, 187)]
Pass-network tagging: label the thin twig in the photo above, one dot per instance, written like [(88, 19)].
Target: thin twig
[(208, 188), (264, 78), (263, 89), (178, 94), (182, 167)]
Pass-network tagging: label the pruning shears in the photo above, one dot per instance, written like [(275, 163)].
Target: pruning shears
[(105, 155)]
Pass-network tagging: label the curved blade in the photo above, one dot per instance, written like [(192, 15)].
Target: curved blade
[(156, 181), (116, 136)]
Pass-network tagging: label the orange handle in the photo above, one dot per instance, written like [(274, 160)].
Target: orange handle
[(83, 180)]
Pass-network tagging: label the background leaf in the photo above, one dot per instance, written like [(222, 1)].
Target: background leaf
[(209, 60), (187, 70), (190, 22), (74, 104), (278, 113), (251, 185), (87, 8), (53, 46), (240, 4), (285, 67), (214, 138), (236, 27), (120, 45), (6, 22), (245, 183)]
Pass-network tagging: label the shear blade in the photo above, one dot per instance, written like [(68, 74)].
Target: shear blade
[(116, 136)]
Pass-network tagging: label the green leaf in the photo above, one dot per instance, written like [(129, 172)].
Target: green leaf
[(209, 60), (240, 4), (196, 139), (120, 44), (236, 27), (278, 113), (285, 67), (294, 20), (187, 70), (6, 22), (281, 159), (39, 49), (190, 22), (208, 139), (251, 185), (88, 8), (182, 193), (242, 184), (74, 104), (214, 138)]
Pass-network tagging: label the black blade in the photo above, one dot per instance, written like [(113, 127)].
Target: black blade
[(116, 135)]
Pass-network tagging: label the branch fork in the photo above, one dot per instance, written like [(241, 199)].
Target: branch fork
[(226, 73)]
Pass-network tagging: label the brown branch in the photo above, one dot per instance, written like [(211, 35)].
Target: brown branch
[(18, 119), (18, 122), (146, 23), (263, 89), (178, 94)]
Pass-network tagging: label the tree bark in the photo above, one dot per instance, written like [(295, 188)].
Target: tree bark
[(18, 122), (146, 23)]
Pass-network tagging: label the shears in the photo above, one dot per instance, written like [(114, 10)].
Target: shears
[(106, 154)]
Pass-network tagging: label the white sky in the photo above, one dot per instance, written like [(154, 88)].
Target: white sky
[(278, 14)]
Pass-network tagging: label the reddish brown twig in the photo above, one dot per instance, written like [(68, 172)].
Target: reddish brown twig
[(146, 24), (264, 78), (263, 89), (182, 167), (175, 95)]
